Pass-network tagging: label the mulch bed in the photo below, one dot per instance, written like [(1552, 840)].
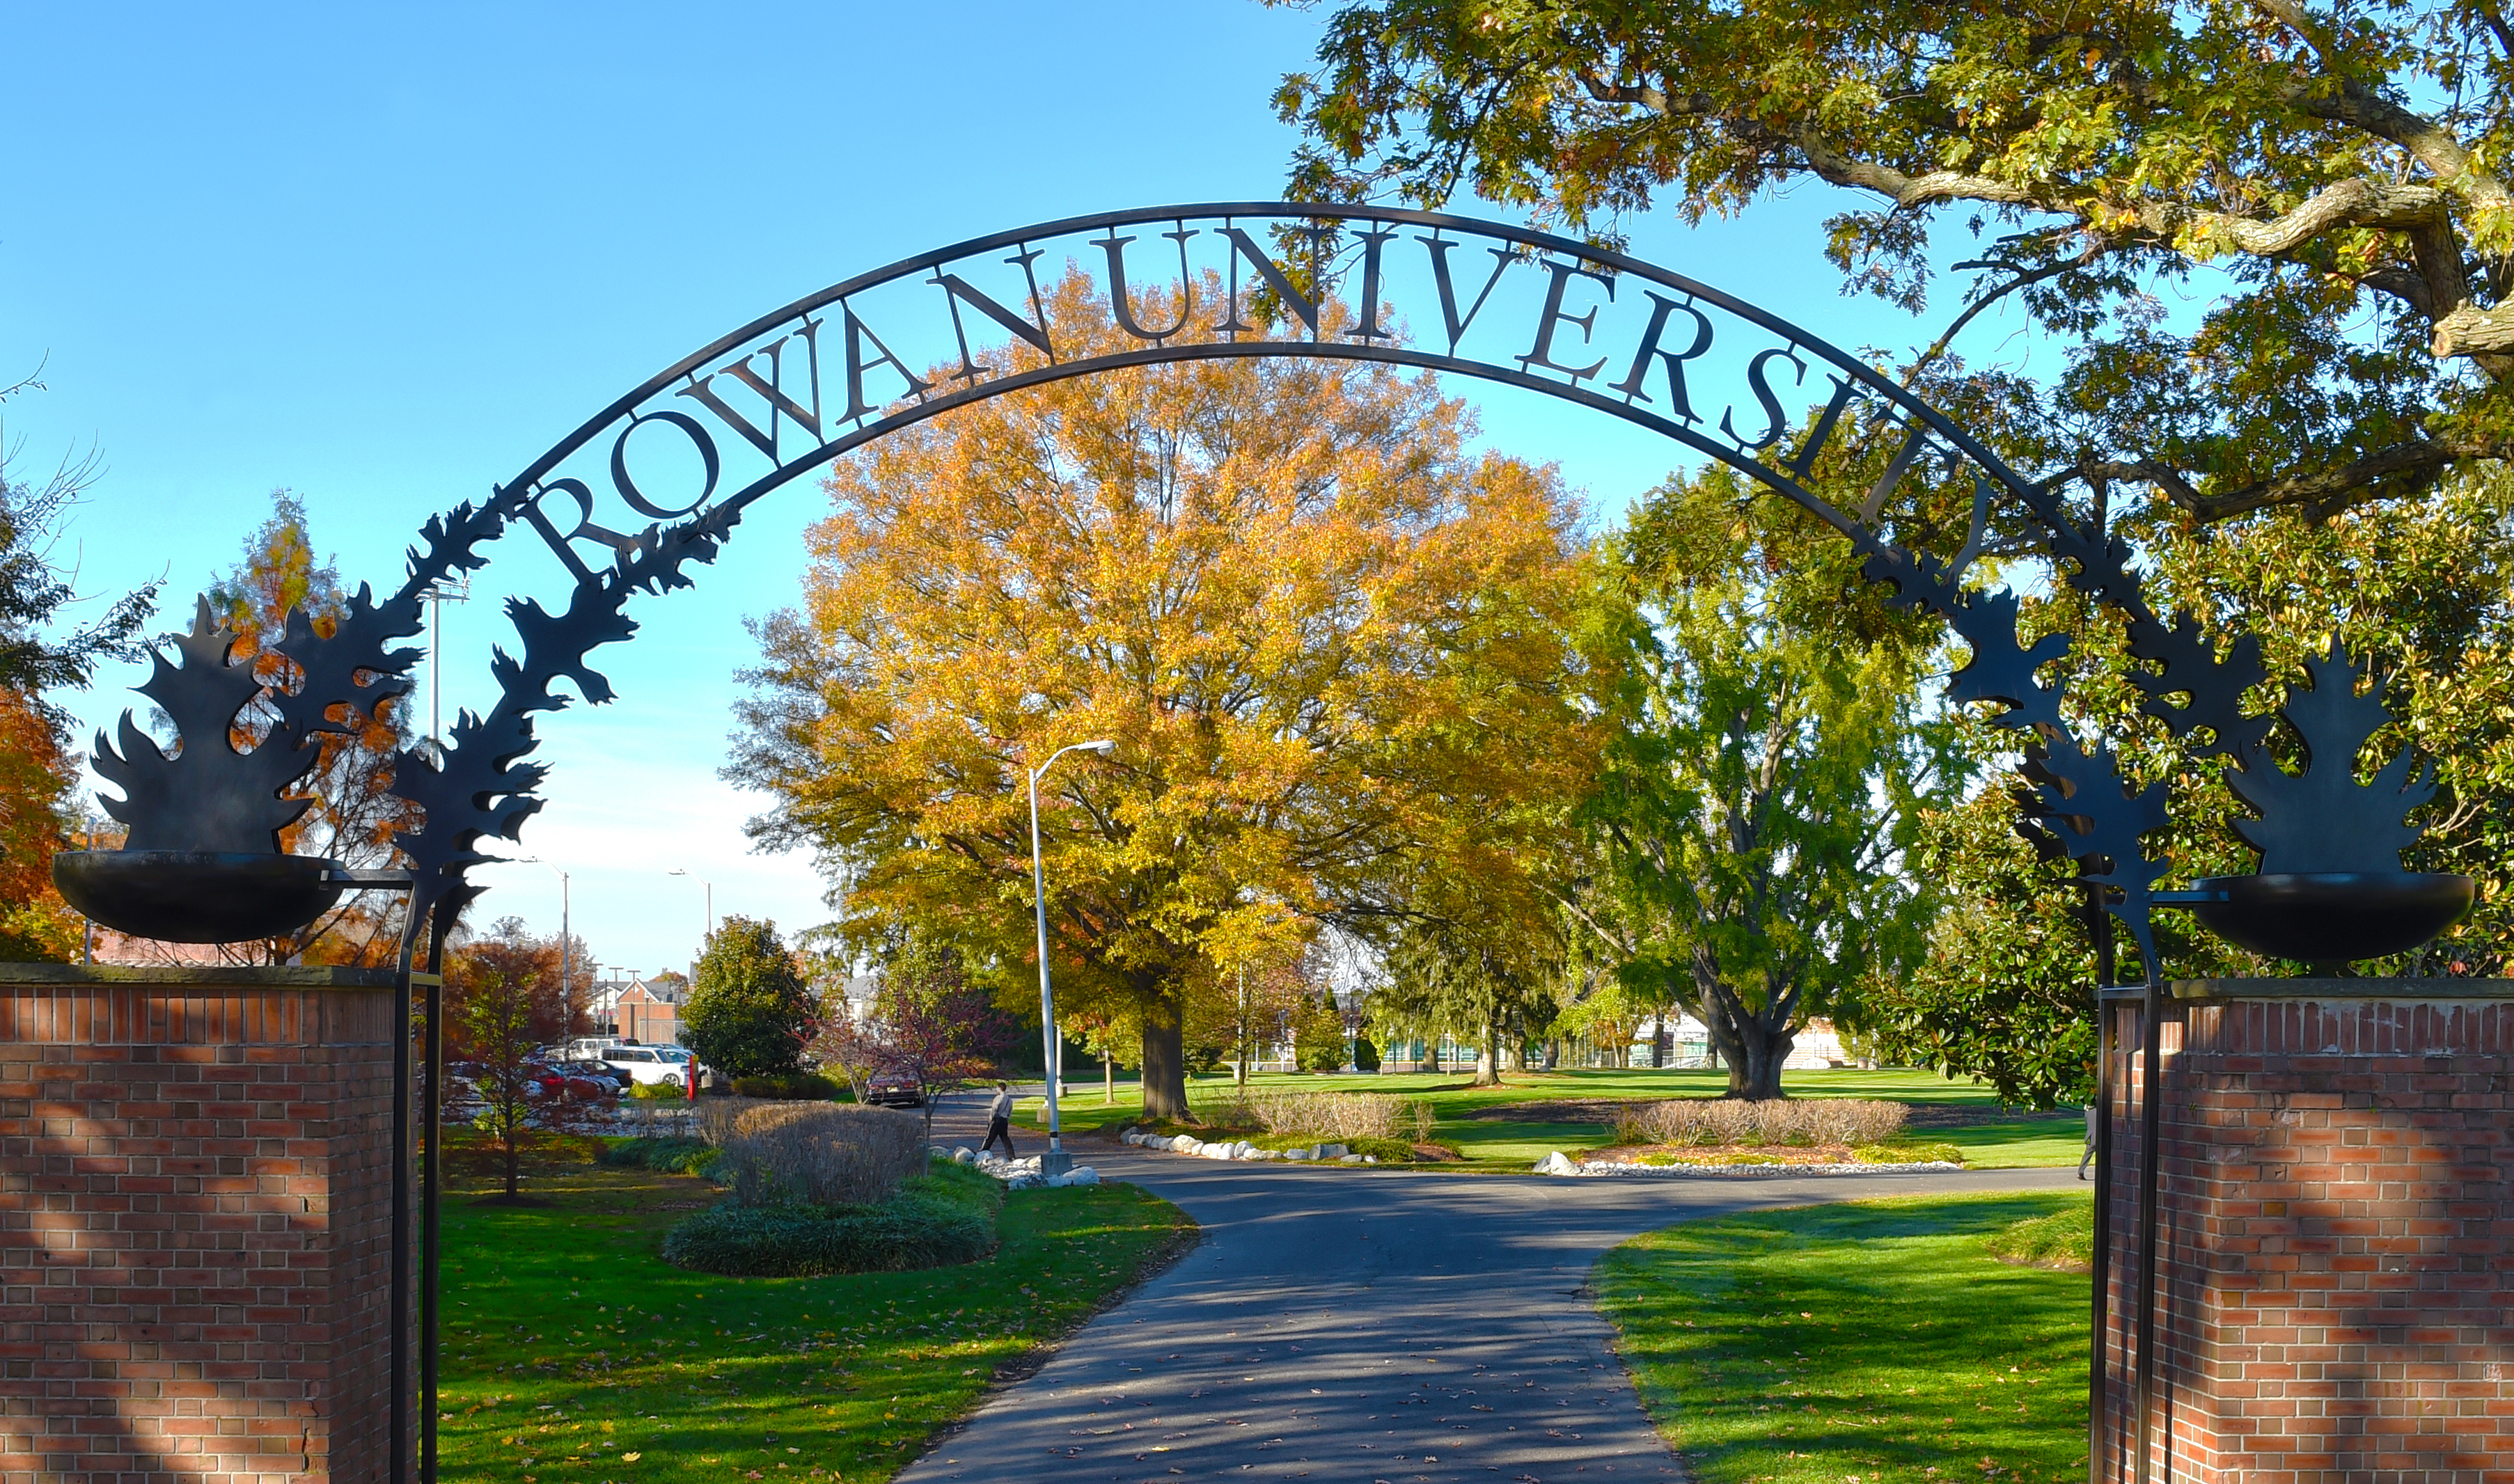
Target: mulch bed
[(1560, 1111)]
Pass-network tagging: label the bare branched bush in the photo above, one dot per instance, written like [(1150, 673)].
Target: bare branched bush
[(1329, 1115), (814, 1153), (1850, 1121)]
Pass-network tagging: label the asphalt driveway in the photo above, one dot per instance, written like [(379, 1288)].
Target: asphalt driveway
[(1360, 1324)]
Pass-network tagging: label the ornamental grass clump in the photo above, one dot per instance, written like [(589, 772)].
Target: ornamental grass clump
[(1344, 1118), (779, 1153), (1721, 1121), (940, 1219)]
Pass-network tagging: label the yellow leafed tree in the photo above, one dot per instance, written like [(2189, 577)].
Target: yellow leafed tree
[(1329, 639)]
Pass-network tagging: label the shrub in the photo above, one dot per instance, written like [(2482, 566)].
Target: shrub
[(905, 1233), (1731, 1121), (815, 1153), (657, 1091), (1385, 1150), (678, 1156), (1334, 1117), (1365, 1055), (792, 1086)]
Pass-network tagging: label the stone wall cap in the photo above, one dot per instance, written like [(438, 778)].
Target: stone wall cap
[(2214, 990), (238, 977)]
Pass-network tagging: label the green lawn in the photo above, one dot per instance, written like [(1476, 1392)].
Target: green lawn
[(573, 1353), (1875, 1341), (1471, 1121)]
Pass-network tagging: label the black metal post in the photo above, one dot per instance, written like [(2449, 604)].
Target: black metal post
[(2151, 1123), (2101, 1329), (399, 1287), (430, 1188)]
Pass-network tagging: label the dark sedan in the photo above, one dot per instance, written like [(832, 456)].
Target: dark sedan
[(894, 1089)]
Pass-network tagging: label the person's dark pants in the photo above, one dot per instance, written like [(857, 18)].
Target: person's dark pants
[(998, 1128)]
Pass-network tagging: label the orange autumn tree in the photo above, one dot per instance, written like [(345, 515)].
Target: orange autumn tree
[(1327, 637), (37, 775), (352, 816)]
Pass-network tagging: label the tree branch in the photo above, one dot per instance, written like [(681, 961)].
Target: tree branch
[(2323, 493), (2023, 280)]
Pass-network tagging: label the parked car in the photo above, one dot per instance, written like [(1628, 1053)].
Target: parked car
[(894, 1089), (549, 1080), (614, 1081), (668, 1065)]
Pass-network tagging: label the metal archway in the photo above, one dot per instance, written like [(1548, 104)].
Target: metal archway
[(658, 480)]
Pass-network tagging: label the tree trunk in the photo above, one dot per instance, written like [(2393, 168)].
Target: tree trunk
[(1164, 1062), (1754, 1070), (1553, 1052), (1751, 1050), (1488, 1053), (1108, 1078), (514, 1158)]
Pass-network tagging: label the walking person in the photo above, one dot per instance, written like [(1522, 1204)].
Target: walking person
[(999, 1121)]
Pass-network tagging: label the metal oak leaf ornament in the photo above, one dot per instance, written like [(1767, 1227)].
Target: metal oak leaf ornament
[(208, 796), (2322, 820)]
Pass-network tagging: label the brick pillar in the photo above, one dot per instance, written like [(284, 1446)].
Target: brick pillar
[(2337, 1232), (195, 1187)]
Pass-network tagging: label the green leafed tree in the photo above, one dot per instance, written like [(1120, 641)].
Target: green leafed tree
[(37, 654), (2006, 991), (1765, 792), (1476, 980), (2324, 181), (749, 1012)]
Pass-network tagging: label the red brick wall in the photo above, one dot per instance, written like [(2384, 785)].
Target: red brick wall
[(2336, 1237), (195, 1224)]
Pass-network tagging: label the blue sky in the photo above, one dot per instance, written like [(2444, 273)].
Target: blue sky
[(384, 259)]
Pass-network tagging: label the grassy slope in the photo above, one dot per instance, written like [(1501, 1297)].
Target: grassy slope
[(2022, 1139), (1876, 1341), (564, 1334)]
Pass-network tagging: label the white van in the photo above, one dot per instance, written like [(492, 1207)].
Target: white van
[(668, 1065)]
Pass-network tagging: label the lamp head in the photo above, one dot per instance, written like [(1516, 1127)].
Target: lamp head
[(1103, 746)]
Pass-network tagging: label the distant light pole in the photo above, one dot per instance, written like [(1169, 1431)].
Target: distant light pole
[(566, 954), (709, 887), (1055, 1161), (450, 590)]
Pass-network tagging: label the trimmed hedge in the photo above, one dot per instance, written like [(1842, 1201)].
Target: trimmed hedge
[(677, 1156), (931, 1226)]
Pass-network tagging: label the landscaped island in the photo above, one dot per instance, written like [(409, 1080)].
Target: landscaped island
[(570, 1343)]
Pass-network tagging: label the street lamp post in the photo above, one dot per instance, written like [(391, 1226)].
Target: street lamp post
[(566, 956), (1055, 1161), (709, 887)]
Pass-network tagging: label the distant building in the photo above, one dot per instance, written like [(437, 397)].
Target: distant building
[(649, 1010)]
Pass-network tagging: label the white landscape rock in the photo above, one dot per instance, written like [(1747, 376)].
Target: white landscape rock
[(1558, 1163), (1300, 1154), (1347, 1159), (1332, 1151), (965, 1155), (1079, 1175)]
